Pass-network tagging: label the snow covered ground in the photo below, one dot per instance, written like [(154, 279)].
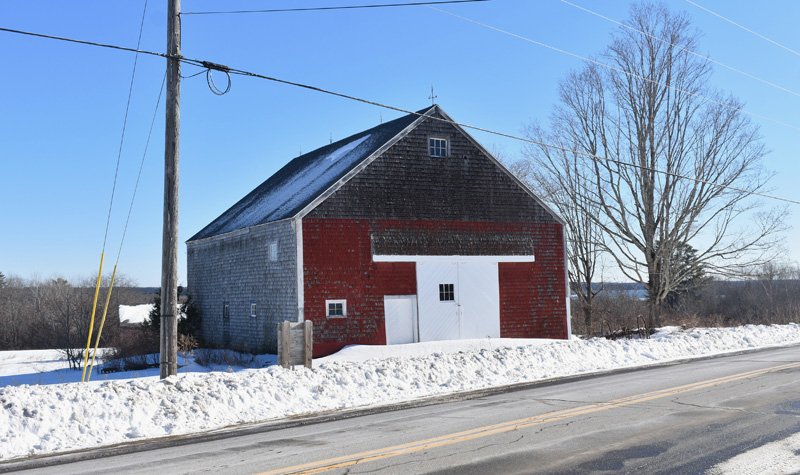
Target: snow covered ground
[(55, 415)]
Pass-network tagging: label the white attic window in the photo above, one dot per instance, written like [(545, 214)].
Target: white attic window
[(272, 251), (437, 147)]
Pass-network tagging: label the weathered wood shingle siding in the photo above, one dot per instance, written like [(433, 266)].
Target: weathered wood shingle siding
[(406, 183), (236, 268)]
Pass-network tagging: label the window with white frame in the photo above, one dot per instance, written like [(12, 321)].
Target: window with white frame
[(437, 147), (447, 292), (273, 251), (336, 308), (253, 308)]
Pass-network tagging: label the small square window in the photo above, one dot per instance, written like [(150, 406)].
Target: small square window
[(437, 147), (336, 308), (273, 251), (447, 292), (253, 308)]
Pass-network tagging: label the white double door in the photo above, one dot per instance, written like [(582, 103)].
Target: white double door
[(458, 300)]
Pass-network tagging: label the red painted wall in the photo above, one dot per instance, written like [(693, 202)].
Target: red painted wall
[(337, 264), (533, 294)]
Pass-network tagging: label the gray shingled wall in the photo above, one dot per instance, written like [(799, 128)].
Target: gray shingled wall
[(235, 268)]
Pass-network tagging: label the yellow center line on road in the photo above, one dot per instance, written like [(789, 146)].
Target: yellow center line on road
[(393, 451)]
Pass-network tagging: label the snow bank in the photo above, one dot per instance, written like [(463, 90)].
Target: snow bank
[(43, 419)]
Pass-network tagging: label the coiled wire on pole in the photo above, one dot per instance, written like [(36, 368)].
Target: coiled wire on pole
[(210, 78)]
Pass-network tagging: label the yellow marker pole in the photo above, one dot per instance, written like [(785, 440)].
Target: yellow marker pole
[(102, 322), (91, 323)]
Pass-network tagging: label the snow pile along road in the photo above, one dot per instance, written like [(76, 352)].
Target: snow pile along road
[(51, 418)]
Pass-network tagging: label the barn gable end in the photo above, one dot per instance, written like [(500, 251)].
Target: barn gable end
[(405, 182)]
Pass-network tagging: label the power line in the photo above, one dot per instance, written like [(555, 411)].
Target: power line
[(745, 29), (124, 126), (613, 68), (515, 137), (83, 42), (210, 65), (345, 7), (141, 165), (706, 58)]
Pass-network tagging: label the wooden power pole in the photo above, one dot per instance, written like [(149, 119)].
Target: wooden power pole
[(169, 244)]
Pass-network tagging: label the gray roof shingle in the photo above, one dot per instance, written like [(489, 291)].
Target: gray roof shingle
[(302, 180)]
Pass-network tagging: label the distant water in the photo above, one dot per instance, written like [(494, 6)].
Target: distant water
[(632, 289)]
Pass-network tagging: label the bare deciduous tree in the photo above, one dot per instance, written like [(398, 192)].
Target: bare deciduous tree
[(668, 141), (561, 189)]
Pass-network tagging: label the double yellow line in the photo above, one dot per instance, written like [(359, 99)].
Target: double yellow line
[(387, 452)]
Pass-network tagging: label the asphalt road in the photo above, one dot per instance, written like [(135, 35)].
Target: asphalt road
[(682, 418)]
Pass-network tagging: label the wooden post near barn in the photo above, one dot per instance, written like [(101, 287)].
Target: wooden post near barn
[(295, 344)]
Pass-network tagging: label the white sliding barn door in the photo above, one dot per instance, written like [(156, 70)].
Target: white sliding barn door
[(458, 300), (438, 320)]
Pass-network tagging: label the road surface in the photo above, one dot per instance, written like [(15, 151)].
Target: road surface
[(683, 418)]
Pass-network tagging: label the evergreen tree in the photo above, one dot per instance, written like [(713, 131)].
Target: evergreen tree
[(685, 268), (686, 263), (188, 320)]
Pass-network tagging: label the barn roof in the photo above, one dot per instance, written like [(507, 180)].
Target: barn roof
[(296, 185)]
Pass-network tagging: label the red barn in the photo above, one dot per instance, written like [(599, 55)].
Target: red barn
[(409, 231)]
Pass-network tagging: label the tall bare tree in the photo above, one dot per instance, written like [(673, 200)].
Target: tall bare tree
[(561, 188), (669, 142)]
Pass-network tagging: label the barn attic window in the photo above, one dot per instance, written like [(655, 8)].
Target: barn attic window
[(336, 308), (437, 147)]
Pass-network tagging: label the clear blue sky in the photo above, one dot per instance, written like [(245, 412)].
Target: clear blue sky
[(62, 105)]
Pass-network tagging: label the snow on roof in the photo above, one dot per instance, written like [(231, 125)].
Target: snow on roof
[(303, 179), (135, 314)]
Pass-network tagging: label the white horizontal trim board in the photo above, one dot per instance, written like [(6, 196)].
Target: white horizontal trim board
[(384, 258)]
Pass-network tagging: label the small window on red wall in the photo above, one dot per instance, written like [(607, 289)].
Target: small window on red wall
[(336, 308)]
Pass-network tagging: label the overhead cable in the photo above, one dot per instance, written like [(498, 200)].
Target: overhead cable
[(141, 165), (345, 7), (744, 28), (515, 137), (215, 66), (614, 68), (124, 125), (706, 58)]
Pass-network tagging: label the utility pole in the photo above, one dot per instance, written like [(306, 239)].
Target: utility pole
[(169, 243)]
